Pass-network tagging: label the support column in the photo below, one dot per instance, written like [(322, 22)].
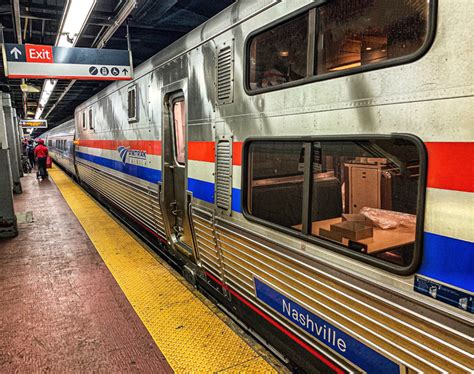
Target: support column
[(8, 224), (12, 142)]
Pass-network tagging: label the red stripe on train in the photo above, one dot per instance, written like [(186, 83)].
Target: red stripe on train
[(201, 151), (205, 151), (278, 326), (450, 166), (152, 147)]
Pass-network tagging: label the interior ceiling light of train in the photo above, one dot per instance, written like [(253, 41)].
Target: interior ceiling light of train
[(153, 25)]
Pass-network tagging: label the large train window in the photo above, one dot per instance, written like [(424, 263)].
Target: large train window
[(279, 55), (359, 33), (336, 38), (362, 197)]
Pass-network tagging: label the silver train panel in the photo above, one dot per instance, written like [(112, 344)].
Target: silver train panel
[(64, 156)]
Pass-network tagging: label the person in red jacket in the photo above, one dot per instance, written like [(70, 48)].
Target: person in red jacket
[(41, 155)]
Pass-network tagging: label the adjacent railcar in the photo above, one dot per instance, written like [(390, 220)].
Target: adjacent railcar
[(60, 142), (307, 164)]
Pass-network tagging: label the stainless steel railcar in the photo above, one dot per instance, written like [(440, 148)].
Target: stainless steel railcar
[(60, 143), (307, 164)]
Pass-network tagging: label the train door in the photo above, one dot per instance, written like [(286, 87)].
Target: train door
[(175, 197)]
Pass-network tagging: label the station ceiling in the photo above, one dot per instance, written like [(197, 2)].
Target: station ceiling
[(153, 25)]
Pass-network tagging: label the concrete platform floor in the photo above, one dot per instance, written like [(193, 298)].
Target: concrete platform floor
[(60, 308)]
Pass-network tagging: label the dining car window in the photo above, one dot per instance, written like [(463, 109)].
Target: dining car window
[(338, 36), (276, 167), (279, 55), (360, 196), (360, 33)]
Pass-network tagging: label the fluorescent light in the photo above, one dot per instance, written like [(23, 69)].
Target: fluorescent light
[(77, 13), (74, 19), (48, 88)]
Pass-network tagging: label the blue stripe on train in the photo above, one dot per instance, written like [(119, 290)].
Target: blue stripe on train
[(448, 260), (142, 172), (201, 190), (205, 191)]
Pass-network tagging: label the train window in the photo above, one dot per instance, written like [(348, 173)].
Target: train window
[(179, 120), (348, 36), (50, 143), (359, 33), (132, 104), (91, 119), (276, 183), (84, 126), (279, 55), (362, 196)]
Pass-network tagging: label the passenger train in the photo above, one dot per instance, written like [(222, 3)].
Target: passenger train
[(308, 166)]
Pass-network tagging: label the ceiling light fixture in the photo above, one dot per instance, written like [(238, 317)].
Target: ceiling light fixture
[(73, 22), (29, 88)]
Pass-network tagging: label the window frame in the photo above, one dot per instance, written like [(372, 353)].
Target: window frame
[(90, 115), (134, 119), (84, 122), (327, 244), (179, 99), (432, 16)]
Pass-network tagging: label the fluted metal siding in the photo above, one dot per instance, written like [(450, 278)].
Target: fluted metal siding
[(141, 204)]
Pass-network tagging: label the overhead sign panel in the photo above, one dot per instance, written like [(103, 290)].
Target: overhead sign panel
[(45, 61), (34, 123)]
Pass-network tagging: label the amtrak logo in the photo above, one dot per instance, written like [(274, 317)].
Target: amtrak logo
[(132, 156), (123, 152)]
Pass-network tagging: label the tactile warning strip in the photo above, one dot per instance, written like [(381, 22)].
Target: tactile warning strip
[(191, 337)]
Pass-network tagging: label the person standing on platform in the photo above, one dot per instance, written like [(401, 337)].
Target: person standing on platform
[(41, 155), (30, 152)]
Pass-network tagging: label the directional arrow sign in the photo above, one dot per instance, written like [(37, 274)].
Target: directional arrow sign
[(45, 61), (15, 51)]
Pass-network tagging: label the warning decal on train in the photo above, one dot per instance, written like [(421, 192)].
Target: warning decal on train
[(449, 295), (359, 354)]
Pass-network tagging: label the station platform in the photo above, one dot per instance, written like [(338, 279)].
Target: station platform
[(80, 293)]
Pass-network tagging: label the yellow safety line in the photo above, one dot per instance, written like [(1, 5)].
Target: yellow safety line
[(191, 337)]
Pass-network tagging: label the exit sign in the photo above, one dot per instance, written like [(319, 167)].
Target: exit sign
[(48, 62), (39, 53)]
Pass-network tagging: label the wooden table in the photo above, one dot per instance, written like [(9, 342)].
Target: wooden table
[(382, 241)]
